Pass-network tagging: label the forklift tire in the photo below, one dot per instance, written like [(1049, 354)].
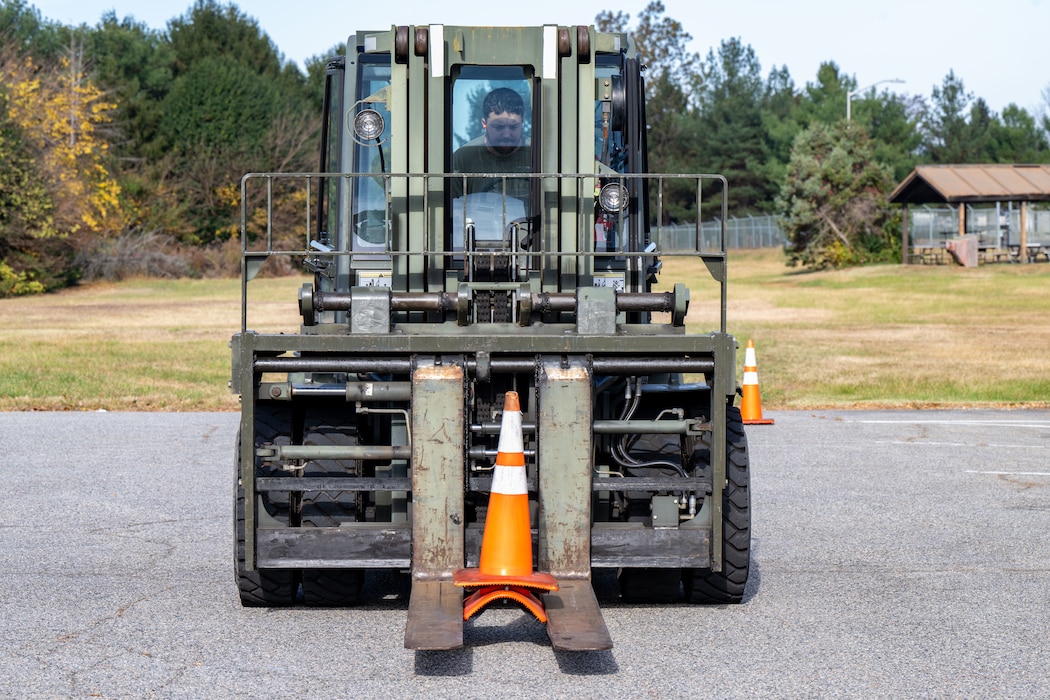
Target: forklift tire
[(727, 585), (328, 508), (262, 587), (330, 587)]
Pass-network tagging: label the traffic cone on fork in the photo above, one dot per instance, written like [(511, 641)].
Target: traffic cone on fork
[(505, 569)]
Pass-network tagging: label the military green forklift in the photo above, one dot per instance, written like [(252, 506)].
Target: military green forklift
[(483, 221)]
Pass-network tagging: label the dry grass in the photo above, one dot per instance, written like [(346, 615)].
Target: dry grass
[(872, 337), (140, 345)]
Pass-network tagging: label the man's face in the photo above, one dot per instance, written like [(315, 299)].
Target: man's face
[(502, 132)]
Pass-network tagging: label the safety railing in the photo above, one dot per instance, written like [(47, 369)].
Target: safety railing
[(412, 223)]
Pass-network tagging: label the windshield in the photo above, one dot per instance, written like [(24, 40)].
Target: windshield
[(491, 139)]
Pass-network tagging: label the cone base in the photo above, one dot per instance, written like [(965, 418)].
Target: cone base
[(523, 596), (758, 421), (474, 578)]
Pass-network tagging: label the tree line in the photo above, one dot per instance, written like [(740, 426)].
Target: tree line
[(788, 150), (122, 146)]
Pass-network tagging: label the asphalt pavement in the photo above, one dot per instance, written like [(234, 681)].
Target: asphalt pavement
[(895, 554)]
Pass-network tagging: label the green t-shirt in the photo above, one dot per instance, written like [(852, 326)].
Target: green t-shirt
[(475, 157)]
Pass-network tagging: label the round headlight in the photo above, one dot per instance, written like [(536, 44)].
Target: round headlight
[(613, 198), (369, 125)]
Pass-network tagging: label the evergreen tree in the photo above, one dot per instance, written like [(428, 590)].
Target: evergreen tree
[(24, 31), (233, 106), (1044, 119), (779, 107), (211, 30), (835, 211), (732, 137), (135, 64), (824, 101), (945, 125), (892, 122), (1017, 138), (978, 134)]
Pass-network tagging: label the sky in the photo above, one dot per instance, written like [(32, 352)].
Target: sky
[(1000, 50)]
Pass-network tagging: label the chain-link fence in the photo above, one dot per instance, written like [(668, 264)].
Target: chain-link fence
[(741, 232), (996, 225)]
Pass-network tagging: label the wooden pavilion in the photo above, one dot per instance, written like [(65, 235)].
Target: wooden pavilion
[(976, 184)]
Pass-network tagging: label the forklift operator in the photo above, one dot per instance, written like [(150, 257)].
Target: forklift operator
[(500, 149)]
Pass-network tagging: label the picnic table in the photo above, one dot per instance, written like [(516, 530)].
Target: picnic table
[(1033, 252)]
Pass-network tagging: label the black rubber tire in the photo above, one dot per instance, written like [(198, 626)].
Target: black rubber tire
[(324, 508), (330, 587), (727, 586), (262, 587)]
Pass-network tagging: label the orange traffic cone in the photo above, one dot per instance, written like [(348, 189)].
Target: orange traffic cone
[(505, 569), (751, 405)]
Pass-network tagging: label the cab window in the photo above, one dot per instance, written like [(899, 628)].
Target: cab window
[(492, 108)]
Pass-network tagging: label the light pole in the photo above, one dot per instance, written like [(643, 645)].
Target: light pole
[(850, 96)]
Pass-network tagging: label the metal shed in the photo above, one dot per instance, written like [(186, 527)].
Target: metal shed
[(971, 184)]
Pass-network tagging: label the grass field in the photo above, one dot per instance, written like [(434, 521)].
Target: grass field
[(870, 337), (142, 345), (888, 336)]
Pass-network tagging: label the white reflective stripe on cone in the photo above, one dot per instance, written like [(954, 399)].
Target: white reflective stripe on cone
[(510, 481)]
